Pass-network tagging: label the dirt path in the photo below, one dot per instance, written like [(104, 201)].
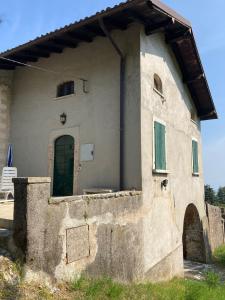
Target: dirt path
[(194, 270)]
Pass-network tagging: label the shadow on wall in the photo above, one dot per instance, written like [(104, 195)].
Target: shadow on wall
[(194, 239), (165, 62)]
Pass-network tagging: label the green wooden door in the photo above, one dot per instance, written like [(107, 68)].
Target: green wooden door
[(63, 166)]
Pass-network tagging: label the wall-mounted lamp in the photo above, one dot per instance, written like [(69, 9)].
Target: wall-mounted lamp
[(164, 183), (63, 118)]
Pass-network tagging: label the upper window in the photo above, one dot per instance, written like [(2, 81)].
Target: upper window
[(158, 84), (66, 88), (159, 147), (195, 167)]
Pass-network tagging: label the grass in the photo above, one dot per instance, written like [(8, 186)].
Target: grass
[(219, 255), (177, 289), (105, 288)]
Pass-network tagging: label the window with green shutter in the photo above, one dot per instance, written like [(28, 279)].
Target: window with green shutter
[(195, 168), (160, 146)]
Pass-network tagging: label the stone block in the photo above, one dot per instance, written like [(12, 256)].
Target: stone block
[(77, 243)]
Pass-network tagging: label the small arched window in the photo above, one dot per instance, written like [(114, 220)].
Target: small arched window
[(65, 88), (158, 84)]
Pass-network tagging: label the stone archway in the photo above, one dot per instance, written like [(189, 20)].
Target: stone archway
[(193, 239)]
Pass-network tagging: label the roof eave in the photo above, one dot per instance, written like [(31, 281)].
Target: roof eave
[(132, 11)]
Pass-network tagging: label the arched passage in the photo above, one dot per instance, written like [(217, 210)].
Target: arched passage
[(63, 166), (193, 239)]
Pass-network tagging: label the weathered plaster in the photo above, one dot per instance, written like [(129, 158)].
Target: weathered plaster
[(6, 78), (164, 225), (36, 112)]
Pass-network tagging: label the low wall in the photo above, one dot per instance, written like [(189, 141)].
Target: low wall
[(98, 235), (95, 235), (216, 226)]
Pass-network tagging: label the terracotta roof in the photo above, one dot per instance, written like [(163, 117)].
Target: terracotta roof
[(154, 16)]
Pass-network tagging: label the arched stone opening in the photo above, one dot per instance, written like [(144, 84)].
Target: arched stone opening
[(193, 239)]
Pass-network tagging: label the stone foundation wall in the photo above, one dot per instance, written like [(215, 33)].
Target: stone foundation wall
[(216, 226)]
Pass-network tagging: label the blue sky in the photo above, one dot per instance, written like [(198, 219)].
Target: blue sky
[(25, 19)]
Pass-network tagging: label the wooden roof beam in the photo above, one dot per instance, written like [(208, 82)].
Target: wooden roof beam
[(179, 36), (23, 58), (66, 42), (95, 30), (82, 36), (112, 23), (8, 62), (55, 45), (50, 48), (193, 79), (134, 16), (33, 52), (162, 26), (208, 115), (7, 67)]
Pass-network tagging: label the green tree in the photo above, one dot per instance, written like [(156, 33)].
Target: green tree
[(210, 194), (221, 195)]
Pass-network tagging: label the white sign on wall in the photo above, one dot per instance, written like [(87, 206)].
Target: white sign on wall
[(87, 152)]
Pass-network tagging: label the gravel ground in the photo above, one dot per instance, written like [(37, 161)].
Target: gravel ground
[(195, 270)]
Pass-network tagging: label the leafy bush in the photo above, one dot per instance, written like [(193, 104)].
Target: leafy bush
[(219, 255)]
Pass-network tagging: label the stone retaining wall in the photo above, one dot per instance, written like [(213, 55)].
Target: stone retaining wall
[(216, 226), (98, 235)]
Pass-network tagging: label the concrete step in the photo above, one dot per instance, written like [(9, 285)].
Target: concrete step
[(5, 235)]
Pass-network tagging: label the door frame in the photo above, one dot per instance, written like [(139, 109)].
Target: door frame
[(54, 134)]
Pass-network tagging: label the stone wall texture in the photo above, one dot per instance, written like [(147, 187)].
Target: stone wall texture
[(96, 235), (216, 226)]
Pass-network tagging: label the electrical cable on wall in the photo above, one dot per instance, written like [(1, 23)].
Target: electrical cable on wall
[(84, 81)]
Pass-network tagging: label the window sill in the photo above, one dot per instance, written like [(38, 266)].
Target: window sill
[(163, 172), (195, 174), (64, 97), (160, 94)]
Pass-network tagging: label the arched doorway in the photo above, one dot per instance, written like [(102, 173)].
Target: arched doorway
[(193, 239), (63, 166)]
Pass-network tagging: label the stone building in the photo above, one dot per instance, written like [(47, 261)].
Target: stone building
[(112, 102)]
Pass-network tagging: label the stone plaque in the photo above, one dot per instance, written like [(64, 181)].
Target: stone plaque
[(77, 243)]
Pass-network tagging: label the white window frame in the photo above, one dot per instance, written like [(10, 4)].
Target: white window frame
[(192, 157), (154, 170)]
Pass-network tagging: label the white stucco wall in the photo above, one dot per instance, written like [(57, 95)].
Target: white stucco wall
[(5, 103), (94, 118), (164, 224), (35, 111)]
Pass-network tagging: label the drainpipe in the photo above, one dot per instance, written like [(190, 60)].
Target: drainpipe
[(122, 99)]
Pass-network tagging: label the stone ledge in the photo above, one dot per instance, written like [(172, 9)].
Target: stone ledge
[(31, 180), (55, 200)]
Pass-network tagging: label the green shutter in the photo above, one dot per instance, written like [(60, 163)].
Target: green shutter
[(160, 146), (195, 157)]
